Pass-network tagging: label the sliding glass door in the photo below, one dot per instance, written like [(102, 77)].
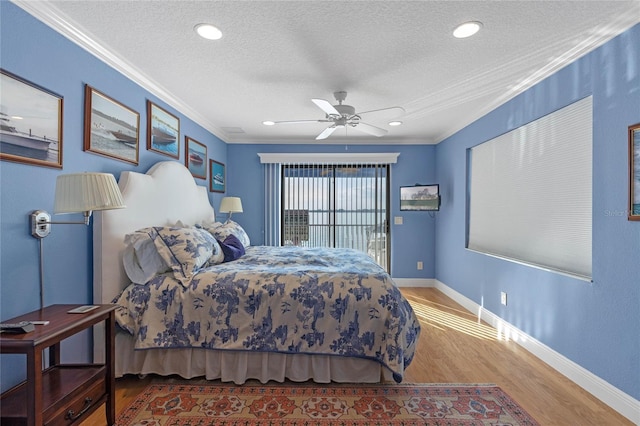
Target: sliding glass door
[(343, 206)]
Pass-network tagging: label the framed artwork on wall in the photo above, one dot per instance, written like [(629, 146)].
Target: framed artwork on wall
[(195, 157), (217, 173), (634, 172), (163, 131), (111, 129), (30, 123)]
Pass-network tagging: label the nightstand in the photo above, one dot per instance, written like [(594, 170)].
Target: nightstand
[(61, 394)]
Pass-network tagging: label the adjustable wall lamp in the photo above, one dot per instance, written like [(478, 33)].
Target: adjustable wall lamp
[(75, 193)]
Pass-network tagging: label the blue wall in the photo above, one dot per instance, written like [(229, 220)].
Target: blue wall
[(593, 324), (35, 52), (411, 242)]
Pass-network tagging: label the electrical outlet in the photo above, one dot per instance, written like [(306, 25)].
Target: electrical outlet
[(503, 298), (420, 265)]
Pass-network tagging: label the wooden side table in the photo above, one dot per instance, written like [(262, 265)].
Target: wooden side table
[(61, 394)]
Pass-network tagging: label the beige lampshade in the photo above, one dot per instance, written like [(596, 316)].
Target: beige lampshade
[(231, 205), (83, 192)]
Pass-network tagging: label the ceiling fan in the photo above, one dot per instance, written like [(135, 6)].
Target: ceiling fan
[(340, 116)]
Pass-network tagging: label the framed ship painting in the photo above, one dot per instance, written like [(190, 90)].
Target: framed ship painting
[(163, 131), (634, 172), (30, 123), (195, 157), (111, 129), (216, 171)]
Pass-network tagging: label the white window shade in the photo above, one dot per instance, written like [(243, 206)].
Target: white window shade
[(530, 195)]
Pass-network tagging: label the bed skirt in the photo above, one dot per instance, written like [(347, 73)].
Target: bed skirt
[(239, 367)]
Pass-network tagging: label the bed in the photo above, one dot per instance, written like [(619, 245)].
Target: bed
[(264, 313)]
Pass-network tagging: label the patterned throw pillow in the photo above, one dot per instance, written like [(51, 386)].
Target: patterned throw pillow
[(185, 250), (222, 231), (217, 257)]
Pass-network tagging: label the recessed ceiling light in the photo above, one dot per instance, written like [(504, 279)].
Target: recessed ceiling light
[(395, 123), (268, 123), (467, 29), (208, 31)]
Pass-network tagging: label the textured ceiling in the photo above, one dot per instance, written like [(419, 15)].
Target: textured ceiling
[(276, 55)]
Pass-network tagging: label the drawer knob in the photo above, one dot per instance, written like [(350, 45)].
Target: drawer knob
[(71, 415)]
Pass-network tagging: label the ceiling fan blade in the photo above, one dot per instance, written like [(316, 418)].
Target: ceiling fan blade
[(326, 132), (326, 107), (391, 111), (300, 121), (372, 130)]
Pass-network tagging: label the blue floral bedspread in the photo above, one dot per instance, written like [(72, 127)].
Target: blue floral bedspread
[(278, 299)]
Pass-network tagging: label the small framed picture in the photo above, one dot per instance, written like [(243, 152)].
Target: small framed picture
[(163, 131), (195, 157), (30, 123), (216, 171), (111, 129), (634, 172)]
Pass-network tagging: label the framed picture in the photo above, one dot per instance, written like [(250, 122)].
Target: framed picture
[(634, 172), (216, 171), (30, 123), (111, 129), (195, 157), (163, 131)]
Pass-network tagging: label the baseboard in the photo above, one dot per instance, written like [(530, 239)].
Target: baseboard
[(623, 403), (415, 282)]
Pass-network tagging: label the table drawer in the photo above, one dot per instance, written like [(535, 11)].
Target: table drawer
[(80, 406)]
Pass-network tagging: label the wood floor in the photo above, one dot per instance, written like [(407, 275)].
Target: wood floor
[(455, 348)]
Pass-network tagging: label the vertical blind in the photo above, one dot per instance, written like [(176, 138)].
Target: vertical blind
[(273, 201), (530, 192)]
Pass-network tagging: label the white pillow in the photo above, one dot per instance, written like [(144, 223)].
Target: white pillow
[(141, 259)]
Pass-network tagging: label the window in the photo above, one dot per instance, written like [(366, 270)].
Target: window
[(530, 192)]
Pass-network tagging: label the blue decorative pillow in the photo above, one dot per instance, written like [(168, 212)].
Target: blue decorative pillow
[(185, 250), (232, 248)]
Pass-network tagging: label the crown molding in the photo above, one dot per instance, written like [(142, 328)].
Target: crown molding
[(51, 16)]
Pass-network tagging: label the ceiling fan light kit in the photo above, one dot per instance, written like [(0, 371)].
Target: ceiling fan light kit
[(341, 116)]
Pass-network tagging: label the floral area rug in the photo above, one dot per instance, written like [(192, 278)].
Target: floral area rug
[(318, 405)]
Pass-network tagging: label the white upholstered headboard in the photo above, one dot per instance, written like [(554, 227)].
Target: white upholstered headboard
[(165, 194)]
